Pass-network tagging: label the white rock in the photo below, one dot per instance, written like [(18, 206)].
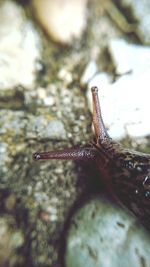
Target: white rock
[(19, 47), (125, 103), (100, 78), (89, 72), (129, 57), (63, 20), (65, 76)]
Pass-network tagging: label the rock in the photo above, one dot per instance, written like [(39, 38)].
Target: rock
[(44, 191), (65, 76), (129, 57), (125, 103), (141, 10), (102, 234), (18, 60), (62, 20), (10, 240), (12, 123), (89, 72), (4, 159), (43, 128)]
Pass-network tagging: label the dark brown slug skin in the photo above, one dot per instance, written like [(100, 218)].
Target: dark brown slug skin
[(126, 173)]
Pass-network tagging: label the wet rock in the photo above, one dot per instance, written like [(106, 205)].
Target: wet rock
[(125, 102), (62, 20), (18, 60), (102, 234)]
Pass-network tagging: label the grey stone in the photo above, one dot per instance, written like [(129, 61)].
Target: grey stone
[(102, 234), (141, 10), (43, 128)]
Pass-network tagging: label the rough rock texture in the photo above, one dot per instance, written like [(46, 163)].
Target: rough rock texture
[(103, 235)]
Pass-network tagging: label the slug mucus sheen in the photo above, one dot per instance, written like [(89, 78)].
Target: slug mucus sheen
[(125, 173)]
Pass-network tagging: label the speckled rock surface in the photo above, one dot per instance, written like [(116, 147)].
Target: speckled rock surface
[(43, 193), (37, 199), (104, 235)]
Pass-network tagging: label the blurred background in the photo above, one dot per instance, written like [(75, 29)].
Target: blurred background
[(57, 213)]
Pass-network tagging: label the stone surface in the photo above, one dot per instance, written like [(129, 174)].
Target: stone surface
[(43, 129), (44, 192), (104, 235), (62, 20), (129, 57), (140, 10), (18, 60), (89, 72), (125, 102)]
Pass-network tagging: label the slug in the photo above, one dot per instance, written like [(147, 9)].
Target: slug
[(125, 173)]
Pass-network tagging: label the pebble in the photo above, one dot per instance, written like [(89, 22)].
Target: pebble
[(102, 234), (125, 102), (89, 72), (63, 20), (65, 76), (18, 60), (45, 129), (55, 130)]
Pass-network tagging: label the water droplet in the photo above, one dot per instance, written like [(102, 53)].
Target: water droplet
[(147, 194), (139, 168), (136, 191), (146, 182)]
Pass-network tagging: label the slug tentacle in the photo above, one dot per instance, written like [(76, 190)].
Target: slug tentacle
[(85, 153), (126, 173), (99, 127)]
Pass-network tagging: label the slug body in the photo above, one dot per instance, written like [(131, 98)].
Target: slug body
[(126, 173)]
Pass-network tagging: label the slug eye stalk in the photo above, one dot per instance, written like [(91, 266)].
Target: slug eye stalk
[(125, 173), (81, 153), (68, 154), (99, 127)]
